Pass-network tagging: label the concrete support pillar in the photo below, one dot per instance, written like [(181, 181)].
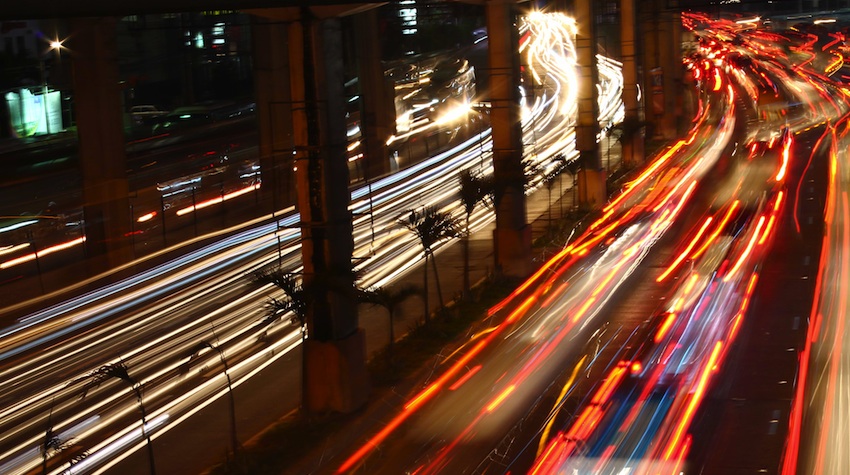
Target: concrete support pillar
[(377, 118), (678, 72), (512, 236), (335, 375), (633, 134), (662, 60), (592, 191), (652, 70), (274, 112), (669, 69), (97, 109)]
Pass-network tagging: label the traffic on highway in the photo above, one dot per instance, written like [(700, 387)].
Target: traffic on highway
[(55, 362), (699, 223), (611, 358)]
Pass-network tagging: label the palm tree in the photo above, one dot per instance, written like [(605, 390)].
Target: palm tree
[(549, 180), (296, 300), (300, 295), (390, 299), (195, 353), (431, 226), (562, 163), (51, 443), (574, 166), (473, 190), (119, 371)]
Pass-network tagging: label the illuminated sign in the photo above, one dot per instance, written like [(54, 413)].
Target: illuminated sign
[(35, 114)]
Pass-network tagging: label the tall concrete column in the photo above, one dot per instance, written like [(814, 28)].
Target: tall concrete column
[(652, 70), (334, 374), (97, 109), (678, 72), (632, 141), (669, 66), (377, 119), (662, 61), (274, 112), (512, 235), (592, 191)]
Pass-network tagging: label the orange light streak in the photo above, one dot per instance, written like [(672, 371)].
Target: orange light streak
[(602, 219), (665, 327), (767, 229), (830, 130), (679, 305), (218, 199), (557, 450), (667, 198), (687, 250), (660, 220), (372, 443), (736, 322), (680, 458), (42, 252), (588, 420), (604, 283), (500, 398), (465, 378), (746, 252), (647, 388), (146, 217), (830, 44), (837, 343), (694, 400), (597, 238), (521, 309), (691, 283), (795, 418), (683, 200), (779, 198), (544, 269), (554, 294), (717, 230), (583, 309), (609, 386), (424, 396), (585, 415), (646, 174), (421, 397), (784, 167)]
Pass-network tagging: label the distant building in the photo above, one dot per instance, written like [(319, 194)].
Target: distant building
[(414, 27)]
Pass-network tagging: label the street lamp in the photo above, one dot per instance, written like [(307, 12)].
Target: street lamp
[(54, 45)]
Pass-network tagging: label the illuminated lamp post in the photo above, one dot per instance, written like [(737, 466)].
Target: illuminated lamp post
[(55, 45)]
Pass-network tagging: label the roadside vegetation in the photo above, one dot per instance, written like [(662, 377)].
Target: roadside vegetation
[(395, 368), (399, 367)]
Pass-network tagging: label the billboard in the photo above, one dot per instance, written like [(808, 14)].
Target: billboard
[(34, 114)]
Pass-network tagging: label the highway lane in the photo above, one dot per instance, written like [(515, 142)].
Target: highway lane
[(750, 414), (483, 391), (818, 432), (639, 417), (151, 323)]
